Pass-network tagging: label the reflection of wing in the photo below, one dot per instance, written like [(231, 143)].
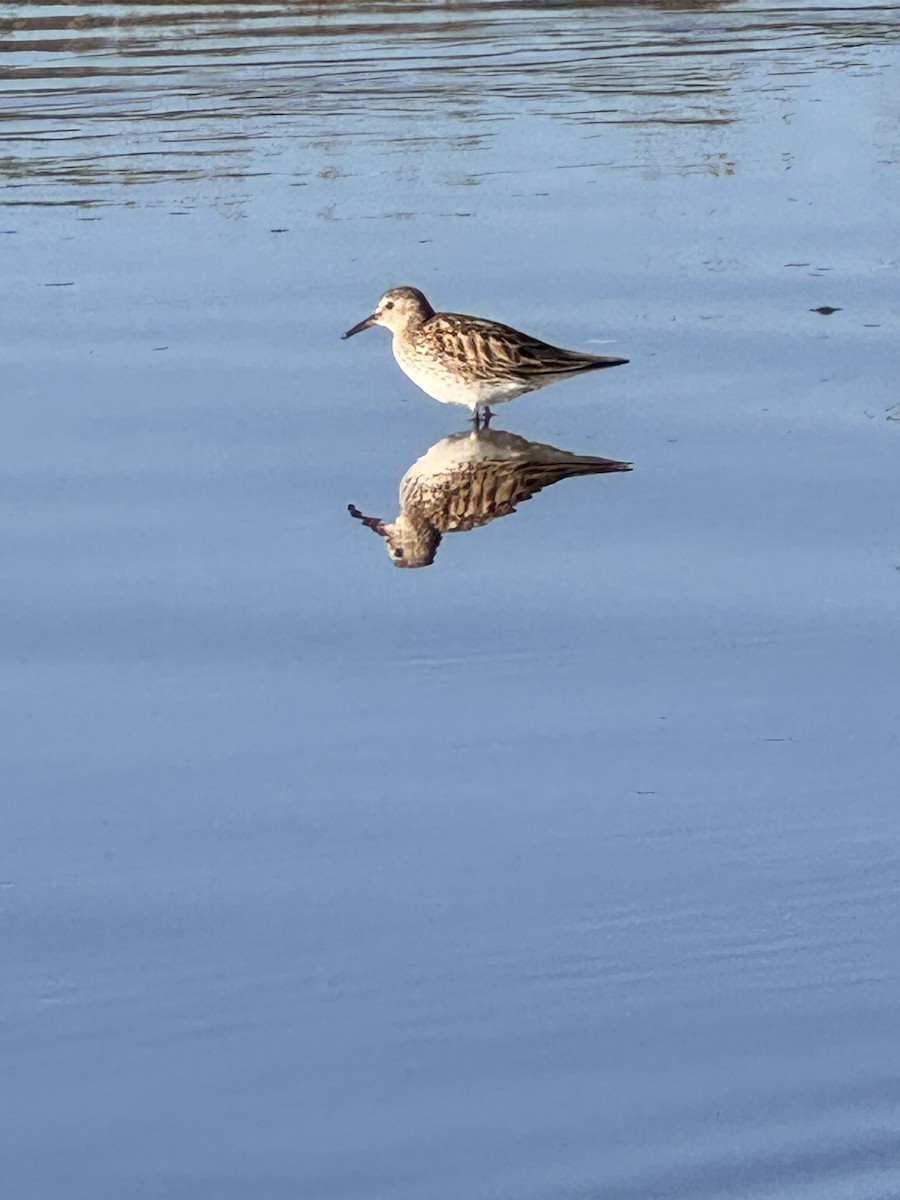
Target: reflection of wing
[(470, 479)]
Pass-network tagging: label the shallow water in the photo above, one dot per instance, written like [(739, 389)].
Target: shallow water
[(567, 866)]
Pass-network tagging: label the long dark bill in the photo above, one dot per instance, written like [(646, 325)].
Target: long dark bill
[(374, 523), (360, 327)]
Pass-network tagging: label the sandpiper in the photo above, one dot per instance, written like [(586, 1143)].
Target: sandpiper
[(468, 480), (470, 360)]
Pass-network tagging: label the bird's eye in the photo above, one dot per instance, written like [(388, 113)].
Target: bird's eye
[(398, 554), (390, 304)]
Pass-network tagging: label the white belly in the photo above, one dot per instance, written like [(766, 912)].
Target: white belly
[(450, 386)]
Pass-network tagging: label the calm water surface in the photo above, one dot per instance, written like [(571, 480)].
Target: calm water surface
[(567, 867)]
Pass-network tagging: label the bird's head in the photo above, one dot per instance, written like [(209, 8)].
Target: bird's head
[(398, 309), (408, 543)]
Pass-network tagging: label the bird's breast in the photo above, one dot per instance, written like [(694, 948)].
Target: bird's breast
[(450, 380)]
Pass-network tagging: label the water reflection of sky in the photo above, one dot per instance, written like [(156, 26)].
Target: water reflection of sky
[(98, 96), (566, 867)]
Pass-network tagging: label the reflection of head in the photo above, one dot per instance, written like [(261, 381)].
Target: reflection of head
[(470, 479), (408, 543)]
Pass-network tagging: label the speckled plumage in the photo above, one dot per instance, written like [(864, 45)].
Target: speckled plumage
[(458, 359), (468, 480)]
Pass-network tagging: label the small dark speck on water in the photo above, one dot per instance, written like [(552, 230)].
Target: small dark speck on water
[(68, 283), (806, 264), (826, 310), (280, 229), (160, 347)]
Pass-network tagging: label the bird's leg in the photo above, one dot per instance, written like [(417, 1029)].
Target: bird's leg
[(476, 419), (486, 418)]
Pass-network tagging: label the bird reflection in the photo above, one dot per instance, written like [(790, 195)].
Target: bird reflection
[(470, 479)]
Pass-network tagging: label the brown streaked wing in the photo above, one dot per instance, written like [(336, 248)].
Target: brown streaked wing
[(489, 349), (477, 494)]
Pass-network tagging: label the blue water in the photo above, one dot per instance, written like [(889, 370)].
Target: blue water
[(568, 866)]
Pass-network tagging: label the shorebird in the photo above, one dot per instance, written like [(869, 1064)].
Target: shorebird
[(470, 360), (467, 480)]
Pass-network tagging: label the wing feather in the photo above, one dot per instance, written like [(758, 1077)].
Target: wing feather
[(476, 493), (490, 350)]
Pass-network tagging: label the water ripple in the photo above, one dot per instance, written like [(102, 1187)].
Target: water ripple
[(199, 90)]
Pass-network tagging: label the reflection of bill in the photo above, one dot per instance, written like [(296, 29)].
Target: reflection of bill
[(470, 479)]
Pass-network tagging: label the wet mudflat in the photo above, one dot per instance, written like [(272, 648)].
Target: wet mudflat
[(567, 865)]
